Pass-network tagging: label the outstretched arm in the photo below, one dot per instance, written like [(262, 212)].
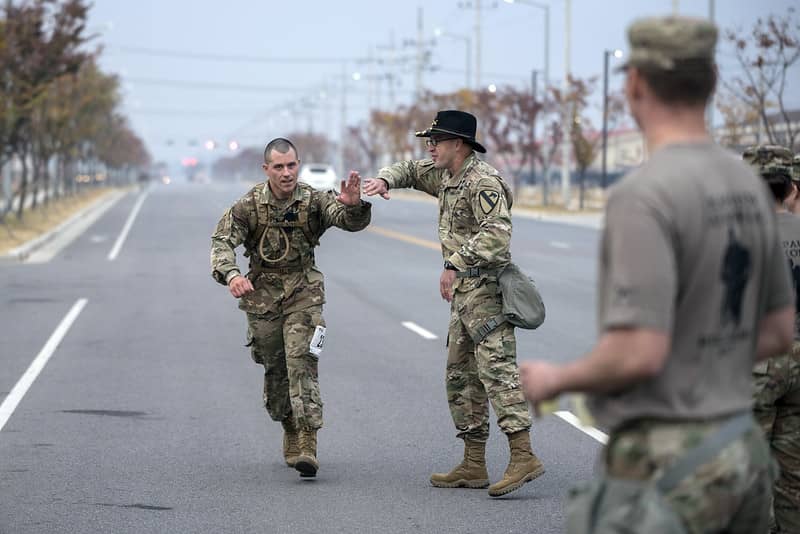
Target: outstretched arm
[(420, 175)]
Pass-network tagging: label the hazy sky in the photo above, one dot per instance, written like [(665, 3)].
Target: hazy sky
[(176, 102)]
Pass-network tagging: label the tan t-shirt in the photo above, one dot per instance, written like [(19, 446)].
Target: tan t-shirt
[(690, 248), (789, 230)]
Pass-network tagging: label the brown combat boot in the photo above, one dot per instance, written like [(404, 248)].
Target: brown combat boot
[(307, 462), (291, 442), (523, 466), (470, 473)]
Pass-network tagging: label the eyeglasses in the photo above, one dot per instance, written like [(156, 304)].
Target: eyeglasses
[(431, 142)]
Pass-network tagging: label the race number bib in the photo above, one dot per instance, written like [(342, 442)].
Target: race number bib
[(317, 341)]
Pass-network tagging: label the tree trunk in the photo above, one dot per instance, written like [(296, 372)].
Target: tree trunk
[(545, 185), (23, 186), (583, 186), (46, 185), (35, 183)]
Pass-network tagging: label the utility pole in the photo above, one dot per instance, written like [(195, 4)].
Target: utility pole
[(533, 126), (343, 122), (478, 45), (710, 109), (420, 55), (566, 120)]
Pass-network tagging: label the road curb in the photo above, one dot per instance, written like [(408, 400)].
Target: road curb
[(21, 252)]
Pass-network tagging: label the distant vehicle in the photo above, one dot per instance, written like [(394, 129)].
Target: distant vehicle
[(318, 175)]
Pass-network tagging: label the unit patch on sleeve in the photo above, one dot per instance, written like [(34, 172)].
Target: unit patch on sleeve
[(488, 200)]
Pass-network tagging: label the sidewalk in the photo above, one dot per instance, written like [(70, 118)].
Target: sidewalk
[(62, 230)]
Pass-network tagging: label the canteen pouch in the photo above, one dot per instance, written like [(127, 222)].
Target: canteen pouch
[(523, 306)]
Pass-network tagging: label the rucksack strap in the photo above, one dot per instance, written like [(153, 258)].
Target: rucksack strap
[(488, 326), (705, 452)]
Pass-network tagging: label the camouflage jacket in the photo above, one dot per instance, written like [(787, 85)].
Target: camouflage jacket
[(287, 232), (474, 217)]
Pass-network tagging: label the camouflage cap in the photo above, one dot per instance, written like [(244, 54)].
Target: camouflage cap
[(769, 159), (796, 168), (662, 41)]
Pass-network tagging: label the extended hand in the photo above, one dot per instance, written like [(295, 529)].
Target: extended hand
[(351, 190), (240, 286), (446, 284), (376, 186), (540, 380)]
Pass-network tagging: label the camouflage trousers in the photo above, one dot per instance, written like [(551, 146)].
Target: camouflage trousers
[(777, 410), (280, 342), (728, 494), (482, 372)]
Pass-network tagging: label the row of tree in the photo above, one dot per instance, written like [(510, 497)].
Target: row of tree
[(58, 111), (524, 131)]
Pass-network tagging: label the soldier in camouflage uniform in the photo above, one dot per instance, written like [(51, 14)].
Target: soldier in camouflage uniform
[(692, 291), (475, 233), (279, 222), (777, 381)]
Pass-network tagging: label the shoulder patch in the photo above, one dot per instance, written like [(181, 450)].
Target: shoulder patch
[(488, 199)]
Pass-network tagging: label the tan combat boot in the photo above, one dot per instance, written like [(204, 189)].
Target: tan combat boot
[(470, 473), (291, 442), (523, 466), (307, 462)]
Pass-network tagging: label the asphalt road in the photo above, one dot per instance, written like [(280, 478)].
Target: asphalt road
[(148, 416)]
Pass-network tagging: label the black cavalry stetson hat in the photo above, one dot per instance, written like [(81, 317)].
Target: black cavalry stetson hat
[(454, 122)]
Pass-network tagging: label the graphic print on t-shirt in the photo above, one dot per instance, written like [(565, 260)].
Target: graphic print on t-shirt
[(736, 270)]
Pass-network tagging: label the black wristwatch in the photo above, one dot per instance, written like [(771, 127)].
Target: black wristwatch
[(449, 266)]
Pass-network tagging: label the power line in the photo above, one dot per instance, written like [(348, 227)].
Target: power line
[(188, 84), (161, 52), (201, 85)]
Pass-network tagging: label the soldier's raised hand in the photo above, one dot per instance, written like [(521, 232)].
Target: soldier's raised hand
[(351, 190), (376, 186)]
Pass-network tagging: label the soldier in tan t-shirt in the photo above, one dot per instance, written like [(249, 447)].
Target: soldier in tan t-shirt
[(777, 380), (689, 296)]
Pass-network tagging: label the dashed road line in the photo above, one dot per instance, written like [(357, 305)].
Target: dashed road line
[(23, 384), (560, 244), (127, 228), (417, 329)]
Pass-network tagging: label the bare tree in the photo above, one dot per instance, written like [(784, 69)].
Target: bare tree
[(766, 56)]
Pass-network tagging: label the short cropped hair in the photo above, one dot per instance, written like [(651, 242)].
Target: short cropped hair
[(279, 144), (780, 184), (691, 82)]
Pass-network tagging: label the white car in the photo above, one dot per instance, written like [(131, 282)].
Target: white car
[(320, 176)]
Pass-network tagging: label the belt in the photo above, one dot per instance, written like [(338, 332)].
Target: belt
[(281, 270), (474, 272)]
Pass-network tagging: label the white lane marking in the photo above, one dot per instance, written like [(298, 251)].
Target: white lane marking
[(572, 419), (560, 244), (98, 239), (21, 387), (417, 329), (127, 228)]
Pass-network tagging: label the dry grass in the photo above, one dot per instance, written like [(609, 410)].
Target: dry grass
[(44, 218)]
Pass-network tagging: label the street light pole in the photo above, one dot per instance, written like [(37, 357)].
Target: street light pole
[(604, 177), (545, 72), (438, 32), (566, 119), (606, 54)]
